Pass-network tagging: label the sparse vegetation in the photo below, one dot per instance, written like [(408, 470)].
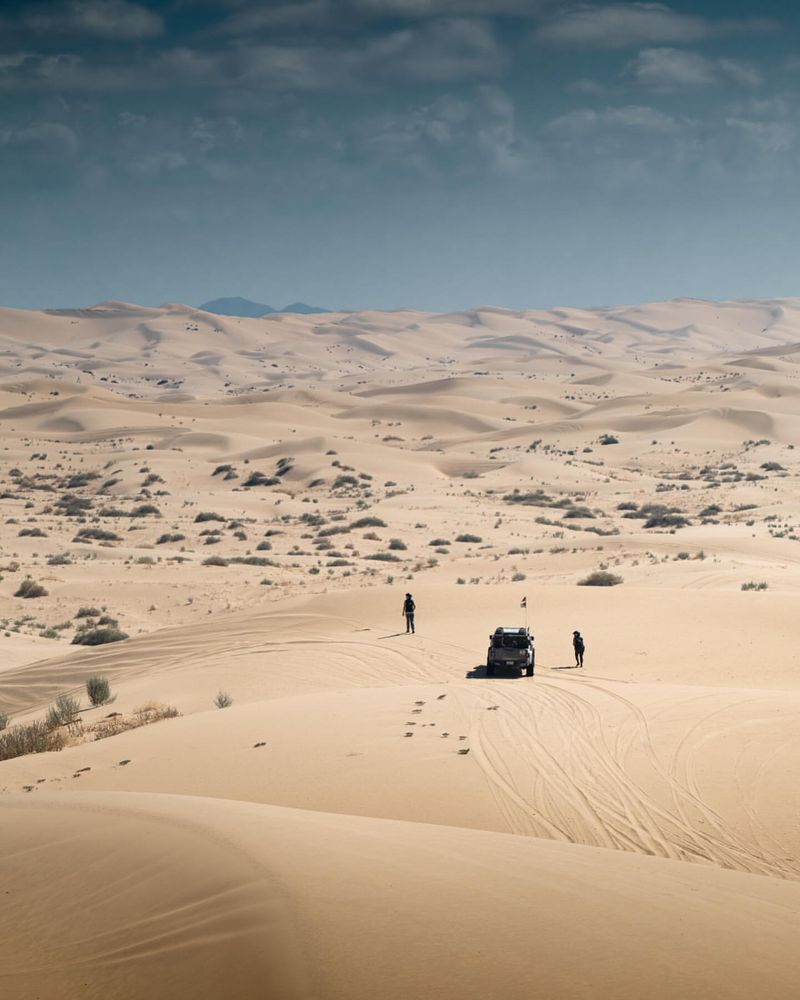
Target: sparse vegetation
[(600, 578), (223, 700), (99, 636)]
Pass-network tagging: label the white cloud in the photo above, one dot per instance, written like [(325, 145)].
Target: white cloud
[(47, 137), (672, 69), (632, 117), (623, 25), (767, 136), (118, 20)]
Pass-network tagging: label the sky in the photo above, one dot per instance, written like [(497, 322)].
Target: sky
[(436, 154)]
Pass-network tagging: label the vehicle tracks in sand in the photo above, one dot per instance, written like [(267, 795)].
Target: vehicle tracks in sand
[(558, 756)]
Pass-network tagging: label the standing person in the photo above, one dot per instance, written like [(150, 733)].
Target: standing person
[(408, 610), (579, 646)]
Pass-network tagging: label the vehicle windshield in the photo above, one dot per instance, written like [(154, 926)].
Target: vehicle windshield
[(510, 642)]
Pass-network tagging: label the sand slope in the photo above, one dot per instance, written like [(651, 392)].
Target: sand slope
[(248, 500)]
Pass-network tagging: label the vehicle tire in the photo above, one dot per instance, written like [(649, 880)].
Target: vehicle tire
[(489, 669), (529, 671)]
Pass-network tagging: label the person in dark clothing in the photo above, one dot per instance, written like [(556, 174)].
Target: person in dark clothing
[(579, 646), (408, 610)]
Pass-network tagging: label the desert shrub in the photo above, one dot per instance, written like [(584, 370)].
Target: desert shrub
[(98, 690), (537, 498), (368, 522), (87, 612), (573, 512), (600, 578), (772, 467), (752, 585), (63, 712), (341, 482), (97, 535), (169, 537), (397, 544), (259, 479), (36, 737), (223, 700), (711, 511), (59, 560), (252, 561), (215, 561), (371, 536), (100, 636), (208, 515), (439, 541), (220, 469), (146, 510), (383, 557), (667, 520), (31, 533), (608, 439), (627, 505), (518, 578), (30, 588), (469, 538), (3, 720), (264, 547)]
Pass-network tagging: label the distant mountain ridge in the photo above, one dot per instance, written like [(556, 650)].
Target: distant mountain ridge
[(237, 306)]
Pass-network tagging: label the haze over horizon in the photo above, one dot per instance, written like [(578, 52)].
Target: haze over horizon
[(378, 153)]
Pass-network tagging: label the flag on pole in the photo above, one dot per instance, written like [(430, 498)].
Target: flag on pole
[(524, 602)]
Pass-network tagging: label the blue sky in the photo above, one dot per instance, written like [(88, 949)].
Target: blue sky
[(381, 153)]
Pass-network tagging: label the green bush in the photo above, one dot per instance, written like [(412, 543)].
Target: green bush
[(208, 515), (87, 612), (752, 585), (64, 712), (99, 690), (469, 538)]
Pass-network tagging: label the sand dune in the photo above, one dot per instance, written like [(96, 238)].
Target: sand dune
[(248, 500)]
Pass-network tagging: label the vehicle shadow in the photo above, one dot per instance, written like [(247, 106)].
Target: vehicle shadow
[(501, 673)]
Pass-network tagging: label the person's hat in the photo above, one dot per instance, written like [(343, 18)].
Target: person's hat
[(576, 632)]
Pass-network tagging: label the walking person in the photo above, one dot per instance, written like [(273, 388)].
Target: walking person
[(579, 646), (408, 610)]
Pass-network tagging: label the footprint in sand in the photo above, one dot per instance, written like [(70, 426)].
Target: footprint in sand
[(122, 763), (412, 723), (408, 734), (416, 711), (81, 770), (419, 702), (492, 708), (262, 744), (439, 697), (463, 752), (445, 735), (462, 737)]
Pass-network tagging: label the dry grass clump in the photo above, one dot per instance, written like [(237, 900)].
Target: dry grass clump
[(144, 715), (36, 737), (223, 700)]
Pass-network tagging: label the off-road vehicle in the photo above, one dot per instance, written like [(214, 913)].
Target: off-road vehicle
[(513, 648)]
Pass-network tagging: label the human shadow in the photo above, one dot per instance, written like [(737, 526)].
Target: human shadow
[(569, 666), (394, 635)]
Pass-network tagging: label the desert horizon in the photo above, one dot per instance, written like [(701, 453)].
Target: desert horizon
[(210, 524)]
